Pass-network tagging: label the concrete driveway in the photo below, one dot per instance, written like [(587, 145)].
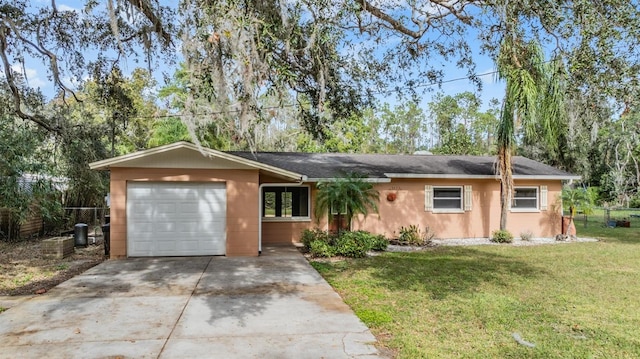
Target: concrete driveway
[(273, 306)]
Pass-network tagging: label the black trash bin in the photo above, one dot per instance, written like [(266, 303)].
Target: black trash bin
[(81, 235), (106, 232)]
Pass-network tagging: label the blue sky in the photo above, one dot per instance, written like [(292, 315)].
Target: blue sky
[(454, 81)]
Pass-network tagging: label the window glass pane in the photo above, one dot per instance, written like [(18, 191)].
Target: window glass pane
[(447, 192), (300, 202), (526, 193), (286, 204), (525, 198), (440, 203), (525, 203), (447, 198), (269, 199), (285, 201)]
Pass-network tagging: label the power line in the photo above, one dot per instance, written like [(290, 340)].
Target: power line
[(290, 105)]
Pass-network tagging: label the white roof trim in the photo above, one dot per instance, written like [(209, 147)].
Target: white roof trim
[(115, 161), (426, 175), (370, 180), (463, 176), (547, 177)]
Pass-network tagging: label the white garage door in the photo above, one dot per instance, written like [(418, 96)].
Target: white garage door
[(176, 219)]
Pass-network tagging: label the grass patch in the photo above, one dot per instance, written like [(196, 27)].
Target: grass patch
[(2, 309), (571, 300), (594, 227)]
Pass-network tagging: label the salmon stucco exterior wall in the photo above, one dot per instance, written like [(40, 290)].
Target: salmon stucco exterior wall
[(479, 222), (408, 208), (242, 203)]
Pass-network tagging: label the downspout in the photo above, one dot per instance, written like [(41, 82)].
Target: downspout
[(288, 184)]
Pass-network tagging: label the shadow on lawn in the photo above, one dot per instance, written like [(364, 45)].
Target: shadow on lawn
[(439, 272)]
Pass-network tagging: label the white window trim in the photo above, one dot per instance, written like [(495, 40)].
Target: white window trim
[(530, 209), (287, 219), (447, 210)]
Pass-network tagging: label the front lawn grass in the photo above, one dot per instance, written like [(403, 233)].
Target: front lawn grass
[(572, 300)]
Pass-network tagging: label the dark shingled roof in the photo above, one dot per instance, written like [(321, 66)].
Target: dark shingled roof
[(331, 165)]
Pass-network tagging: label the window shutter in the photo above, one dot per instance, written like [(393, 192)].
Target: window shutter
[(543, 198), (467, 198), (428, 198)]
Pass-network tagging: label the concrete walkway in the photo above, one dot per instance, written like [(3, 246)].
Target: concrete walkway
[(273, 306)]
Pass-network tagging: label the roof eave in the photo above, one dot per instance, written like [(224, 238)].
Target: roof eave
[(466, 176), (438, 176), (113, 162), (547, 177), (367, 179)]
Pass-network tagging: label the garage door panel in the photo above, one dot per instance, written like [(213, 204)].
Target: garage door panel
[(164, 246), (176, 219), (142, 246), (194, 227)]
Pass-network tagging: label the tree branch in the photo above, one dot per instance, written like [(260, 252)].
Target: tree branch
[(395, 24), (14, 88), (53, 62), (398, 26), (148, 12)]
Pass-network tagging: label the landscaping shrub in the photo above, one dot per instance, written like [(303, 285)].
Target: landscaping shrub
[(379, 243), (347, 244), (526, 235), (353, 244), (320, 248), (311, 235), (414, 236), (501, 236)]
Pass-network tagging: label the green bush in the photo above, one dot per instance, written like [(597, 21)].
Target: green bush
[(501, 236), (320, 248), (353, 244), (379, 243), (311, 235), (347, 244)]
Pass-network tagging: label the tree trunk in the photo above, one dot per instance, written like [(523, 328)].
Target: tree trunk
[(506, 184)]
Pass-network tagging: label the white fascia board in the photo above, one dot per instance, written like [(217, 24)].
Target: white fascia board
[(546, 177), (370, 180), (462, 176), (105, 164), (426, 175)]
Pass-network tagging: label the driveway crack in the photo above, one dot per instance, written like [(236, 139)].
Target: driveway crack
[(184, 307)]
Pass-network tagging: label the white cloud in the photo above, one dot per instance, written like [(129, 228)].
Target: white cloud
[(30, 74), (63, 7)]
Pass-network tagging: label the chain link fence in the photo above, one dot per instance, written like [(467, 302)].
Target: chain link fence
[(609, 217)]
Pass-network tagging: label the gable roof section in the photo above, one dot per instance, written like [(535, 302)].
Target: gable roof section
[(312, 167), (187, 155), (318, 166)]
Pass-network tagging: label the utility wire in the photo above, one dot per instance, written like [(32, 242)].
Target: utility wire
[(424, 85)]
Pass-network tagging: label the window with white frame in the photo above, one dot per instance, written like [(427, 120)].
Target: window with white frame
[(285, 202), (447, 198), (525, 198)]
